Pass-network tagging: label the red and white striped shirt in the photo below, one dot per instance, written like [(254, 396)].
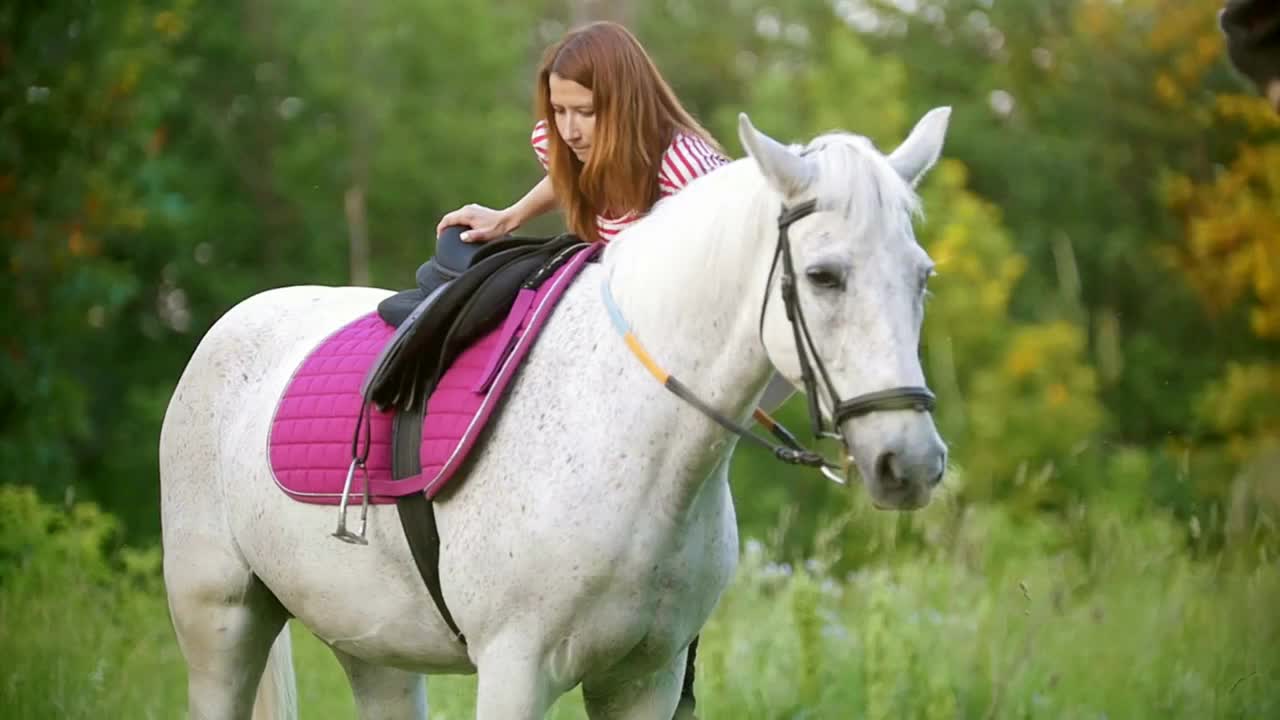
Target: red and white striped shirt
[(688, 157)]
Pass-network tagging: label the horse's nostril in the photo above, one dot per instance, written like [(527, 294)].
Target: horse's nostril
[(937, 479), (886, 473)]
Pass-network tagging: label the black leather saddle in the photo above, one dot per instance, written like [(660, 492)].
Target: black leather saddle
[(463, 292)]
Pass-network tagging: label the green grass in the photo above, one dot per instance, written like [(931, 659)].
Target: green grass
[(988, 618)]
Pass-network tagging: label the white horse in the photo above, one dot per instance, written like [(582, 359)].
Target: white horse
[(594, 532)]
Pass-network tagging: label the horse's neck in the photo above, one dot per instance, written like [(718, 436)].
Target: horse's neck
[(689, 281), (690, 262), (689, 278)]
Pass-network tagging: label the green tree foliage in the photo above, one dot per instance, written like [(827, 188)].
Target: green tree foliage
[(1103, 220), (1058, 121), (86, 224), (1020, 399), (1101, 131), (1102, 333), (161, 162)]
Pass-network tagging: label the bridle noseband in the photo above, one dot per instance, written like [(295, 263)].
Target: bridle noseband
[(920, 399)]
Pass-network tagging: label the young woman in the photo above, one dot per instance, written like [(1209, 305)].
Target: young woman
[(613, 139), (611, 135)]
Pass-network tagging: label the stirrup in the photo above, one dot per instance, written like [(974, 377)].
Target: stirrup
[(342, 533)]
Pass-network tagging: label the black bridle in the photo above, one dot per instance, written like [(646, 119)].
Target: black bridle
[(789, 450), (916, 398)]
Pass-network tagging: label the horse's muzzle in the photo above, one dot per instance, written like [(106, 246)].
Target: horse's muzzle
[(901, 473)]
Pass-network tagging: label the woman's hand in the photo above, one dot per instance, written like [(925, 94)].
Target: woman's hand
[(485, 223)]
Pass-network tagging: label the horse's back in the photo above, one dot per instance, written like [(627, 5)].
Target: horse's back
[(271, 328), (287, 319), (243, 363)]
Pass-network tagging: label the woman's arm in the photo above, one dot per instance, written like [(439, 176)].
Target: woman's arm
[(488, 224), (540, 200)]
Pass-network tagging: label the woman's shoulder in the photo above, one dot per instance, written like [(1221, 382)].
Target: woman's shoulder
[(540, 139), (539, 135), (692, 138), (687, 157)]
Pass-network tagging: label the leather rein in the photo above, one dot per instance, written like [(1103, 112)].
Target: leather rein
[(812, 369)]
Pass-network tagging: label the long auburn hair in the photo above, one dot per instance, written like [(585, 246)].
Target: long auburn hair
[(637, 117)]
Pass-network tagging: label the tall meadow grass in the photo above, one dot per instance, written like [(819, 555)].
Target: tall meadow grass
[(989, 617)]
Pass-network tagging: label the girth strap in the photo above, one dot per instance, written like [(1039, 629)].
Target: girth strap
[(418, 516), (455, 314), (417, 513)]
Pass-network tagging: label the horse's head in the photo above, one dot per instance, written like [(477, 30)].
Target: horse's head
[(859, 288)]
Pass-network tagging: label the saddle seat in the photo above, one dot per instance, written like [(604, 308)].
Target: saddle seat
[(462, 293)]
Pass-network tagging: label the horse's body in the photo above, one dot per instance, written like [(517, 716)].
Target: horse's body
[(591, 537)]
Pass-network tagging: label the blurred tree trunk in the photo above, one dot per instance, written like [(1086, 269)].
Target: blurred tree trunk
[(258, 168), (358, 121)]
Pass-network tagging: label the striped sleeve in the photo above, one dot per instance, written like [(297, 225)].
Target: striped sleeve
[(540, 140), (688, 158)]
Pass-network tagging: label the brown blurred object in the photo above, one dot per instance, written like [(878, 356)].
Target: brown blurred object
[(1252, 28)]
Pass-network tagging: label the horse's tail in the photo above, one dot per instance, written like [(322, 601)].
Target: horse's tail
[(277, 697)]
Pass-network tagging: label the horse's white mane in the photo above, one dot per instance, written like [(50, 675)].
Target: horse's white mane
[(852, 169), (727, 218)]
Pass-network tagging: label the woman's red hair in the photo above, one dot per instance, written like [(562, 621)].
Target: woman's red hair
[(637, 117)]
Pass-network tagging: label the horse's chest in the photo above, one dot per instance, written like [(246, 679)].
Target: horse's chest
[(658, 598), (677, 601)]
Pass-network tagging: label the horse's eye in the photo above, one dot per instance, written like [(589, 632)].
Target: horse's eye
[(826, 277)]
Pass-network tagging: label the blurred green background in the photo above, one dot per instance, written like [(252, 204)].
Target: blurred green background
[(1103, 334)]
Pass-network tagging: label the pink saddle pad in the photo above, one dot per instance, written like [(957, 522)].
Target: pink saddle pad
[(311, 432)]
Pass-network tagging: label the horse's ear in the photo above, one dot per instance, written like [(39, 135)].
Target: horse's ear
[(920, 150), (786, 172)]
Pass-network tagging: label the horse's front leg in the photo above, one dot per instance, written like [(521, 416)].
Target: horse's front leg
[(653, 696), (514, 683)]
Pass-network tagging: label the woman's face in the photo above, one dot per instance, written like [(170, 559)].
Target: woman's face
[(575, 115)]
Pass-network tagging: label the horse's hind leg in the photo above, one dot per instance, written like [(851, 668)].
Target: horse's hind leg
[(655, 696), (226, 621), (384, 693)]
